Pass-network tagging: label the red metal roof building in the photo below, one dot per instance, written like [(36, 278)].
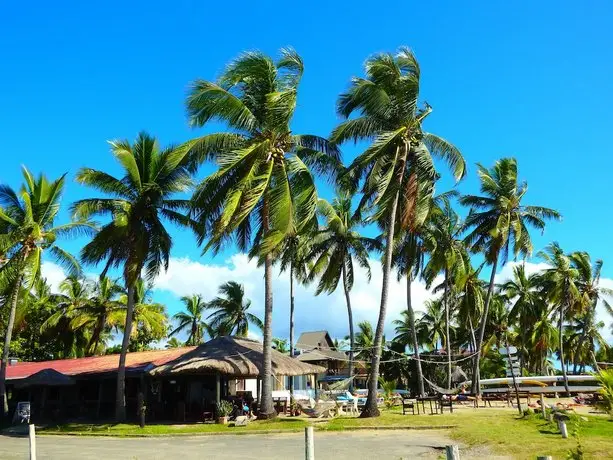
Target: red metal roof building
[(136, 361)]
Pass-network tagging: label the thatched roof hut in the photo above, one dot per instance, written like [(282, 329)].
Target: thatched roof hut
[(235, 357)]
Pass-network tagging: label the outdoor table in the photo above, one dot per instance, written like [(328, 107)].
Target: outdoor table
[(430, 399)]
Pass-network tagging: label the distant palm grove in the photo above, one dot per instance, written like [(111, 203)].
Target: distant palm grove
[(262, 199)]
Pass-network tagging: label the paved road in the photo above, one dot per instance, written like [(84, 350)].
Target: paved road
[(354, 445)]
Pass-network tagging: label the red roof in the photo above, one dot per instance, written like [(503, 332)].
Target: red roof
[(95, 364)]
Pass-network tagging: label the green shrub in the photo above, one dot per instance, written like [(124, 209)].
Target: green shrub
[(605, 379)]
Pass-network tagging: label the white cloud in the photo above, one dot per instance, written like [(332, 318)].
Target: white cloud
[(185, 277), (54, 275)]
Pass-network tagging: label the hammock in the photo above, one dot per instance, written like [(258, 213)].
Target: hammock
[(322, 409), (341, 384), (443, 391)]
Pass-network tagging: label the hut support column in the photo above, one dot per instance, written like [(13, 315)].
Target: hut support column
[(258, 390), (99, 404), (217, 388)]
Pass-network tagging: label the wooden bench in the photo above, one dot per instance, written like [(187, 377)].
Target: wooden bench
[(446, 402)]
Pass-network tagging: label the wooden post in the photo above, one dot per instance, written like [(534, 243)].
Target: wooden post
[(99, 404), (32, 436), (258, 390), (543, 406), (563, 430), (453, 452), (309, 444), (217, 388)]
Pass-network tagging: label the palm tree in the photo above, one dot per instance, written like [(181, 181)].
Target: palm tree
[(447, 256), (27, 229), (592, 292), (434, 319), (292, 259), (263, 190), (150, 322), (497, 221), (231, 311), (386, 105), (98, 313), (135, 237), (470, 290), (173, 342), (560, 282), (333, 250), (192, 320), (364, 342), (544, 336), (280, 345), (523, 291)]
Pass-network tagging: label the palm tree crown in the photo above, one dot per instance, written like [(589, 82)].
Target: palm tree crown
[(192, 320), (231, 315)]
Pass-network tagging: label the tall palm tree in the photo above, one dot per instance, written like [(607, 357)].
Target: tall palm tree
[(27, 229), (543, 338), (592, 292), (231, 311), (138, 204), (386, 105), (292, 260), (523, 291), (333, 250), (561, 282), (447, 256), (72, 319), (434, 319), (150, 322), (263, 190), (192, 320), (470, 296), (364, 342), (98, 313), (497, 221)]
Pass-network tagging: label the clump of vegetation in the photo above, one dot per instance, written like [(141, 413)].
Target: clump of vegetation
[(224, 408), (389, 396), (605, 379)]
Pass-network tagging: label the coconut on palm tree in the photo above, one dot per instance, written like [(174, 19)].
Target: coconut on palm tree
[(263, 190), (498, 224), (231, 311), (383, 108), (192, 320), (137, 205), (27, 230), (333, 250)]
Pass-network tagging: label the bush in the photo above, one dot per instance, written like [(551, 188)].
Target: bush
[(224, 408), (605, 379)]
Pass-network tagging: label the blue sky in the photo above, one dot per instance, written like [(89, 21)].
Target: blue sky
[(523, 79)]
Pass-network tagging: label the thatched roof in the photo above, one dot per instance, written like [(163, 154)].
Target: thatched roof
[(46, 377), (235, 357)]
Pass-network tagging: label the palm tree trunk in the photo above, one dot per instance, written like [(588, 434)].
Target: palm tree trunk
[(291, 320), (351, 332), (120, 394), (370, 407), (265, 406), (473, 342), (447, 335), (7, 345), (476, 385), (411, 315), (560, 332)]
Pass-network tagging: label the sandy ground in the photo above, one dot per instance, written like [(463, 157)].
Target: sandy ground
[(396, 444)]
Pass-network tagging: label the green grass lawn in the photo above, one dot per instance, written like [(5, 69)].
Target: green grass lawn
[(502, 430)]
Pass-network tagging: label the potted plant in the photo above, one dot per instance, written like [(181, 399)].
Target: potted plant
[(224, 409)]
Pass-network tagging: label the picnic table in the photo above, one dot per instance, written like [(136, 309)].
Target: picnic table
[(430, 399)]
